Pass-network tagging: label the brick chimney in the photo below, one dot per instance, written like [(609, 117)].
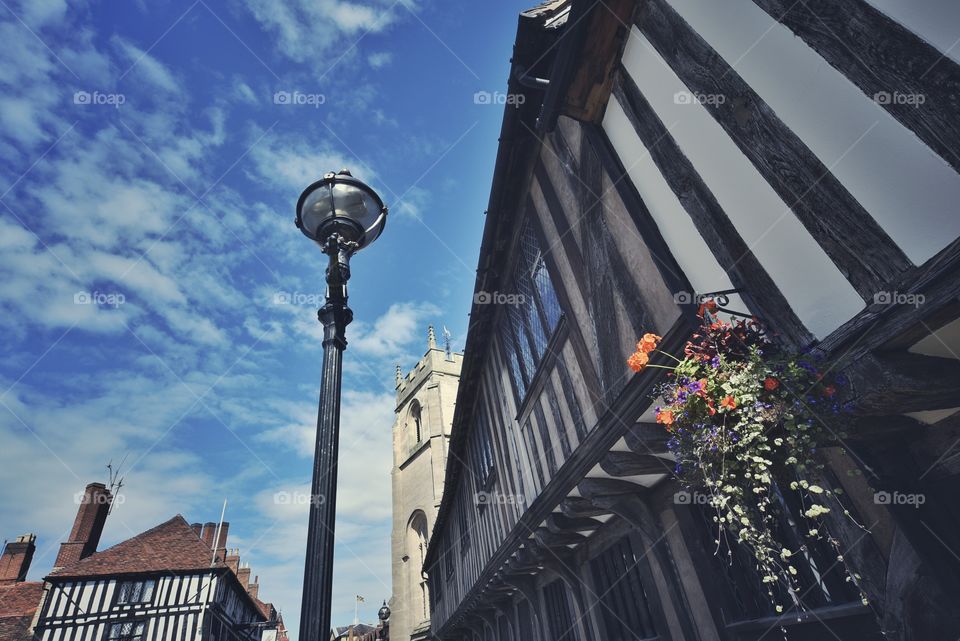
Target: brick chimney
[(233, 560), (197, 529), (222, 541), (244, 575), (209, 531), (254, 588), (87, 527), (16, 558)]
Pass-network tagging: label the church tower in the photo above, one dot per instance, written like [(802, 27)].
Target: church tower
[(425, 401)]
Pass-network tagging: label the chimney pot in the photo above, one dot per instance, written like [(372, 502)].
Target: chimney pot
[(17, 555), (87, 527), (233, 561)]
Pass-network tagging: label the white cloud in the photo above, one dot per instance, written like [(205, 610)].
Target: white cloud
[(292, 165), (38, 13), (144, 65), (380, 59), (315, 29), (390, 335)]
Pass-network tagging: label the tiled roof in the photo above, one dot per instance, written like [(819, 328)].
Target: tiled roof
[(342, 632), (168, 547), (18, 603), (20, 599)]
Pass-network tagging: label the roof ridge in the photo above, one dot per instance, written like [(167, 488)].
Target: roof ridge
[(169, 546)]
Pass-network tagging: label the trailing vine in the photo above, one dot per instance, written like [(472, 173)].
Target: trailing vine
[(742, 415)]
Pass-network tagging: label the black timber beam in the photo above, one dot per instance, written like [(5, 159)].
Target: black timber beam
[(591, 488), (550, 539), (882, 58), (631, 464), (647, 438), (727, 245), (886, 383), (558, 523), (869, 259), (578, 507)]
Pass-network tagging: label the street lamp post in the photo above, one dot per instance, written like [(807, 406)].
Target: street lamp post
[(342, 215)]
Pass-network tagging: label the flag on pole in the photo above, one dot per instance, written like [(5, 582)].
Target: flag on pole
[(360, 599)]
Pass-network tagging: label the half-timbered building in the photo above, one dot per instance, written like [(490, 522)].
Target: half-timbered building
[(800, 157), (173, 582)]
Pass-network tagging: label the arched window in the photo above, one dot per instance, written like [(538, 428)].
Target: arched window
[(417, 422), (417, 551)]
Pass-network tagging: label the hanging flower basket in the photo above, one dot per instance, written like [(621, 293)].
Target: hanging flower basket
[(743, 421)]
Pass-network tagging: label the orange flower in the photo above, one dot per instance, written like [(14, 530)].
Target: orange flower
[(770, 383), (665, 417), (638, 361), (829, 391), (710, 408), (728, 403), (648, 343)]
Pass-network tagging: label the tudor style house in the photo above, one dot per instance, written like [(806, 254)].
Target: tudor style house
[(172, 582), (801, 157)]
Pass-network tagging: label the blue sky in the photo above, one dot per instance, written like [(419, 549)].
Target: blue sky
[(147, 249)]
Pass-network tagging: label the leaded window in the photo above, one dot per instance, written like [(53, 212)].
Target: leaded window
[(481, 451), (821, 577), (463, 525), (126, 631), (448, 561), (623, 607), (560, 617), (132, 592), (532, 313)]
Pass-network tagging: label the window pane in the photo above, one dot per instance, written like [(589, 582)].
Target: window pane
[(623, 601), (518, 322), (562, 627), (529, 323), (513, 359), (548, 295)]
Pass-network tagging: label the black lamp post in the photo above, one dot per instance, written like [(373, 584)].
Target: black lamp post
[(342, 215)]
